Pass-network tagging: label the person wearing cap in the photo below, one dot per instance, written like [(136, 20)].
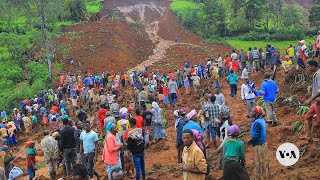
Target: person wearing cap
[(234, 156), (31, 159), (287, 64), (258, 140), (182, 121), (303, 50), (51, 153), (248, 94)]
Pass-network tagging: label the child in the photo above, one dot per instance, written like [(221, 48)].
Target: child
[(31, 159)]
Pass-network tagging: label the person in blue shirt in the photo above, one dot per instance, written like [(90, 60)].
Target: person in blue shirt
[(269, 90), (4, 116), (192, 123), (232, 79), (86, 81), (258, 139)]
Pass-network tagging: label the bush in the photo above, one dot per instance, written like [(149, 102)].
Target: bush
[(288, 34), (255, 36)]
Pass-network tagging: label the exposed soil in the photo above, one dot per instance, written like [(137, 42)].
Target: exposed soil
[(149, 40)]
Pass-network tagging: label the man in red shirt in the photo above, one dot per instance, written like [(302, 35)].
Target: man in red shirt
[(166, 95), (139, 119), (102, 115), (55, 108), (227, 64)]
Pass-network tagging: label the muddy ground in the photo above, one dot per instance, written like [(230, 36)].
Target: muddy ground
[(131, 34)]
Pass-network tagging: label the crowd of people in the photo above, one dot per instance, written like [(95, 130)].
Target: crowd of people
[(127, 125)]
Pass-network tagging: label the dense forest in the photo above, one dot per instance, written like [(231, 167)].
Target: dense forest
[(248, 19), (27, 31)]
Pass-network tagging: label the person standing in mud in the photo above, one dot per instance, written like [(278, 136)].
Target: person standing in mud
[(51, 153), (68, 144), (194, 165), (173, 91), (247, 94), (89, 148), (313, 67), (136, 145), (182, 121), (269, 90), (258, 141)]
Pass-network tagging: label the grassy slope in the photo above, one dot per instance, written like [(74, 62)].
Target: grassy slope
[(282, 45)]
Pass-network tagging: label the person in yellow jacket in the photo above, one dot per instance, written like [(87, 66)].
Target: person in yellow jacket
[(290, 52)]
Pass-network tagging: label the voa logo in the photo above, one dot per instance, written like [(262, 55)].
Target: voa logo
[(287, 154)]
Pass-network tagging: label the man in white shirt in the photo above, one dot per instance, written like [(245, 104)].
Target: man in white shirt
[(220, 65), (234, 55), (247, 94)]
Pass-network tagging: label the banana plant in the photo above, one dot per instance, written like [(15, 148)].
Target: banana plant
[(298, 127), (289, 100), (302, 109)]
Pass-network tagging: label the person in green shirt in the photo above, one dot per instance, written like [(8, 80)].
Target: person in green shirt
[(234, 156), (51, 99)]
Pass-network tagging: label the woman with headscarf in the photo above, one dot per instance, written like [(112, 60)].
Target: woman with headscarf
[(111, 149), (258, 140), (223, 132), (234, 156), (196, 129), (11, 130), (158, 130)]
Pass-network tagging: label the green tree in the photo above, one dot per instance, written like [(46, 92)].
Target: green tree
[(314, 16), (292, 16), (254, 11), (214, 18)]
